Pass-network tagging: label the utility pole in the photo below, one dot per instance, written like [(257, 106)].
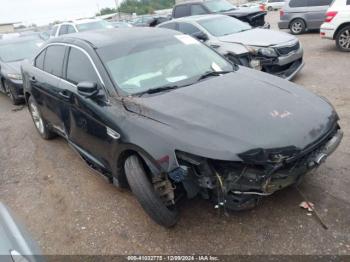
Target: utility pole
[(116, 7), (98, 8)]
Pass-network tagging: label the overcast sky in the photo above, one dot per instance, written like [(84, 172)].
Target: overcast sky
[(45, 11)]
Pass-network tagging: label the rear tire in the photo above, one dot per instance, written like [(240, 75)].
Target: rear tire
[(270, 8), (297, 26), (12, 94), (146, 195), (342, 39), (40, 124)]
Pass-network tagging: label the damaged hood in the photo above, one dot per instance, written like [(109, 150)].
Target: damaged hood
[(11, 67), (243, 12), (259, 37), (223, 116)]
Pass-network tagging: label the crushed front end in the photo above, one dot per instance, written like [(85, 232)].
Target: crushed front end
[(239, 185), (284, 60)]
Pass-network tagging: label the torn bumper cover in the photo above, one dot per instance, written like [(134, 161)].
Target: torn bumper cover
[(288, 63), (239, 185)]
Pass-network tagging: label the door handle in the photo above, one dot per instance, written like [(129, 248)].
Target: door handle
[(32, 79), (65, 94)]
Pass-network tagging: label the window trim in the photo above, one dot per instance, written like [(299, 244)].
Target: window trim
[(45, 49), (64, 30), (198, 4), (74, 46), (65, 60), (34, 60), (191, 24)]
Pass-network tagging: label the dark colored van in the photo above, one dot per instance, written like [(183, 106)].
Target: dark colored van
[(253, 17)]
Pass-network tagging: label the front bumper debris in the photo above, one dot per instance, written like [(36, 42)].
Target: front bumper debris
[(239, 185), (286, 65)]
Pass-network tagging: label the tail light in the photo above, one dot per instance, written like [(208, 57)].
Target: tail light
[(281, 13), (262, 7), (330, 15)]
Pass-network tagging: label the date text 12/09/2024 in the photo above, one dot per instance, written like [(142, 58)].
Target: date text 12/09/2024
[(173, 258)]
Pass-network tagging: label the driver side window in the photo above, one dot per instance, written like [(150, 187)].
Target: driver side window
[(198, 10), (79, 68), (188, 29)]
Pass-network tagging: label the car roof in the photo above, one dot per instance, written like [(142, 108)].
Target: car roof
[(80, 21), (106, 37), (19, 39)]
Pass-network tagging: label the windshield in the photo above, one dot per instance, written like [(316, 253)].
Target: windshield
[(224, 25), (172, 61), (93, 26), (17, 51), (219, 6)]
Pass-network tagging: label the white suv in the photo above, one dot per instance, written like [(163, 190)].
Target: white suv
[(337, 24), (79, 26)]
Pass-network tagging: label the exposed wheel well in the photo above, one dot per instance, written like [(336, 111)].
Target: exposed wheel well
[(123, 182), (26, 95), (2, 83), (340, 28), (298, 18)]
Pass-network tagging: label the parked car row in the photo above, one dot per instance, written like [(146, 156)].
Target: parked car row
[(12, 52), (79, 26), (270, 51)]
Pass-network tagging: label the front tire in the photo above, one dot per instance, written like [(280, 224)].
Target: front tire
[(297, 26), (40, 124), (146, 195), (343, 39)]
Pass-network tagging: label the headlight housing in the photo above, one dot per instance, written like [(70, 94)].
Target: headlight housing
[(261, 156), (264, 51), (14, 76)]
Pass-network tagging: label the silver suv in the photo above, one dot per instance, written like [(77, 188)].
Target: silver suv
[(302, 15)]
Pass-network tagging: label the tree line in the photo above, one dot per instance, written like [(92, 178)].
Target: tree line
[(140, 7)]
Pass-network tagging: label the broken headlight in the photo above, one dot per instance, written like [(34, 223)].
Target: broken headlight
[(14, 76), (264, 51), (261, 156)]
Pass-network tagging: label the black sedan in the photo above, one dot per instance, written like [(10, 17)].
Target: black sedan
[(163, 114), (12, 52)]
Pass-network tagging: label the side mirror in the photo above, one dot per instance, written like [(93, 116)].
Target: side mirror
[(200, 36), (87, 89)]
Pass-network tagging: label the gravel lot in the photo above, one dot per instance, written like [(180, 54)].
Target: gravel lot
[(70, 210)]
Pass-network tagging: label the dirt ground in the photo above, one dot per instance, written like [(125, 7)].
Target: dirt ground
[(69, 209)]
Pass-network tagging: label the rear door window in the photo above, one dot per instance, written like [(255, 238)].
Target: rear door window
[(80, 68), (188, 29), (181, 11), (319, 2), (54, 31), (39, 60), (197, 10), (63, 30), (298, 3), (348, 2), (70, 29), (169, 26), (54, 57)]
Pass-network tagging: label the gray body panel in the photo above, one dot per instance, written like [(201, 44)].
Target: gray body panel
[(15, 238), (312, 15)]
